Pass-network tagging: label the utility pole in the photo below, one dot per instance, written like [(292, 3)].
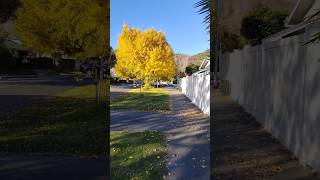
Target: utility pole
[(217, 41)]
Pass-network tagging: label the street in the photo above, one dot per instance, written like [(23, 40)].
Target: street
[(19, 91)]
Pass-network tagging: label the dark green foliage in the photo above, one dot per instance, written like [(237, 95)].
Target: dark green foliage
[(230, 41), (6, 59), (204, 8), (262, 23), (7, 9), (191, 68)]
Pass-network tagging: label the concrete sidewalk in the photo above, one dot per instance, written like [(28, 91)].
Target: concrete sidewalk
[(244, 150), (188, 140)]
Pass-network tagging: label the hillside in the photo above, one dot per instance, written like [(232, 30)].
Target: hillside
[(183, 60), (201, 56), (233, 11)]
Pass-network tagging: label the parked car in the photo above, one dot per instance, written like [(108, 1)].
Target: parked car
[(138, 83), (88, 67)]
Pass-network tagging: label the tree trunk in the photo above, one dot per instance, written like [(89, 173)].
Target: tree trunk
[(100, 79), (96, 81)]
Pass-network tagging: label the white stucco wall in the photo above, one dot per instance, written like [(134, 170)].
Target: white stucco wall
[(197, 89), (279, 83)]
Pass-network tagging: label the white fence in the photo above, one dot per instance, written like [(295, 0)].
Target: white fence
[(197, 89), (279, 83)]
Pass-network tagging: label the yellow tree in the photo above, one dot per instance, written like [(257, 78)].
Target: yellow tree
[(144, 55), (76, 28)]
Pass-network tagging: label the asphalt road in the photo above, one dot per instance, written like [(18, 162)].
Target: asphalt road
[(50, 167), (18, 92)]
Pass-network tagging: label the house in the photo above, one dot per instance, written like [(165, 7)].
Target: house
[(300, 17), (24, 58), (10, 40), (204, 67)]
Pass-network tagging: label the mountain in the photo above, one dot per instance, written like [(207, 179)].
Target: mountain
[(201, 56), (183, 60)]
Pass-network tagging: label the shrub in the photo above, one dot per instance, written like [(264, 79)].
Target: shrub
[(6, 59), (262, 23), (191, 68)]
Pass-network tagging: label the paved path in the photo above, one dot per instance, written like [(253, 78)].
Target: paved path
[(187, 130), (138, 121), (244, 150), (188, 140)]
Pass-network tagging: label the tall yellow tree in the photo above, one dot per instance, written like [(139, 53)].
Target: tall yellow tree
[(144, 55)]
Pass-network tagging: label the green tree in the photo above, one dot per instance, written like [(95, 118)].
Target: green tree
[(7, 9), (191, 68), (262, 23)]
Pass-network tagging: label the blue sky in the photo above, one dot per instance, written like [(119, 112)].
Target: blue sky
[(178, 19)]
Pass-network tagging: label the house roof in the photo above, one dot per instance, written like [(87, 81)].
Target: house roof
[(298, 19), (291, 30), (205, 64), (10, 28), (14, 44), (11, 41), (301, 9)]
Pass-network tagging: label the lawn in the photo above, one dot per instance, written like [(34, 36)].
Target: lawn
[(155, 99), (139, 155), (70, 124), (86, 92)]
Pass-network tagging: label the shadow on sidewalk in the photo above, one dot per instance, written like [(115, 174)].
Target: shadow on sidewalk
[(244, 150)]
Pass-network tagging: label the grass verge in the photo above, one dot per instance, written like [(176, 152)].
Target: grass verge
[(69, 124), (138, 155), (156, 99)]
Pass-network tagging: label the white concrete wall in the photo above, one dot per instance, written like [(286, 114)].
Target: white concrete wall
[(279, 83), (197, 89)]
